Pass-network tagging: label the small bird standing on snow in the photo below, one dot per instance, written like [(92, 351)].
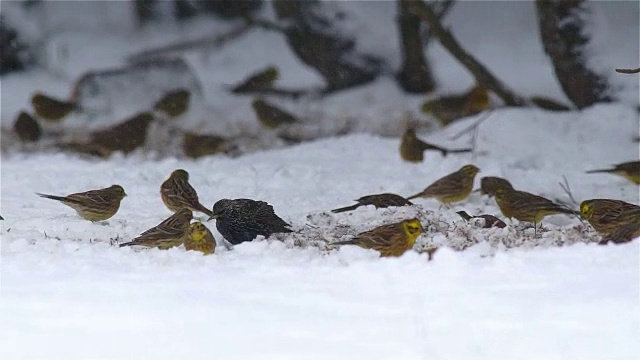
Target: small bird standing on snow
[(412, 149), (93, 205), (177, 193), (390, 240), (377, 200), (200, 239), (241, 220), (451, 188), (169, 233)]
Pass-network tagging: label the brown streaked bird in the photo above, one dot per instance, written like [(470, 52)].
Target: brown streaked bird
[(125, 136), (197, 145), (200, 239), (451, 188), (623, 234), (412, 148), (489, 220), (177, 193), (174, 103), (390, 240), (528, 207), (628, 170), (27, 128), (169, 233), (378, 200), (93, 205), (489, 185), (449, 108), (270, 115), (49, 108), (607, 215), (260, 81)]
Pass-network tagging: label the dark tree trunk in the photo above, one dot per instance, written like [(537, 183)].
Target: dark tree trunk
[(145, 10), (313, 38), (482, 75), (415, 75), (561, 28)]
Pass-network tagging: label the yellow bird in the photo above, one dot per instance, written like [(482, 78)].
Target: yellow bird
[(628, 170), (390, 240), (200, 239), (451, 188)]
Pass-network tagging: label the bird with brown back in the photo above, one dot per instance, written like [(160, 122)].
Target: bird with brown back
[(51, 109), (169, 233), (412, 148), (528, 207), (378, 200), (628, 170), (200, 239), (389, 240), (607, 215), (93, 205), (451, 188), (177, 193), (489, 185)]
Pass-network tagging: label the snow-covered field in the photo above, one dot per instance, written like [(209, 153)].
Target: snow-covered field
[(68, 292)]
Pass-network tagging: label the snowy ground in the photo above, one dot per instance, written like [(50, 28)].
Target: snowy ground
[(67, 292)]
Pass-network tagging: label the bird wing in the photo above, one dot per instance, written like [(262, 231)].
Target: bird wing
[(97, 198)]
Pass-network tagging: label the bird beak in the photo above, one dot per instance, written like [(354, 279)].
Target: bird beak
[(212, 217)]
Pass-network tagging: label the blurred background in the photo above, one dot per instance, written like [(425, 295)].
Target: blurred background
[(195, 78)]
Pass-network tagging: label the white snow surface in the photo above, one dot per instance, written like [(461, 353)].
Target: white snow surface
[(68, 292)]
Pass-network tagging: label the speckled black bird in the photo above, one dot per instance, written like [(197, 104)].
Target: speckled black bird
[(241, 220), (377, 200)]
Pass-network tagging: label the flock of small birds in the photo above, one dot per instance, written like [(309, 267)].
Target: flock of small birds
[(242, 220)]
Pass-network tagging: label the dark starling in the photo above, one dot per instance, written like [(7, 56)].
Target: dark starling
[(27, 128), (489, 185), (489, 220), (49, 108), (270, 115), (259, 81), (412, 149), (174, 103), (126, 137), (377, 200), (241, 220), (195, 145)]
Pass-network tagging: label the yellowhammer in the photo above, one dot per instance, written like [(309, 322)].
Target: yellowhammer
[(390, 240), (451, 188), (169, 233), (412, 149), (606, 215), (49, 108), (525, 206), (489, 185), (177, 193), (93, 205), (200, 238), (628, 170)]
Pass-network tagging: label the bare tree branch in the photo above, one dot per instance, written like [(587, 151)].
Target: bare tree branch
[(211, 42), (628, 71), (482, 75)]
